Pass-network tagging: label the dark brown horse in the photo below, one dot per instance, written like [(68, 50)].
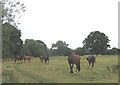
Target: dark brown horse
[(91, 59), (74, 59), (19, 59), (44, 58), (27, 58)]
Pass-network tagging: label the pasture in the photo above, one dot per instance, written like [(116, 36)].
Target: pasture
[(58, 71)]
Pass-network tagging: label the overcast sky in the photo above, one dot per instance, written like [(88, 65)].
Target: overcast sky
[(69, 20)]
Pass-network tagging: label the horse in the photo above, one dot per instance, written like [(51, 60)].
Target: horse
[(27, 58), (19, 59), (74, 59), (44, 58), (91, 59)]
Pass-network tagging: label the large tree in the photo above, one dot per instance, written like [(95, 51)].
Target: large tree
[(61, 47), (11, 41), (12, 10), (79, 51), (35, 48), (96, 42)]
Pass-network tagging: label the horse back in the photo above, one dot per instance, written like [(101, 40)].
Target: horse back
[(41, 57), (18, 57), (91, 58), (73, 58), (26, 57)]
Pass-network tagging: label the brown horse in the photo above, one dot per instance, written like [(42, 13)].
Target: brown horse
[(27, 58), (44, 58), (74, 59), (19, 59)]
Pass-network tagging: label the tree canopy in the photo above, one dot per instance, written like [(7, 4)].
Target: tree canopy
[(12, 10), (79, 51), (11, 41), (60, 47), (96, 42), (35, 48)]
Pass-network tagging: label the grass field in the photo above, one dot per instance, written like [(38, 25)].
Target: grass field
[(58, 71)]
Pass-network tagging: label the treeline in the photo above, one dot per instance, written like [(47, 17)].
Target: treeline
[(61, 49), (12, 45)]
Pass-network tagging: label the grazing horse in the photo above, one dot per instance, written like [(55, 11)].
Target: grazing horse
[(74, 59), (27, 58), (19, 59), (91, 59), (44, 58)]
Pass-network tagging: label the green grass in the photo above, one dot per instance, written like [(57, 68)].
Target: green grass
[(58, 71)]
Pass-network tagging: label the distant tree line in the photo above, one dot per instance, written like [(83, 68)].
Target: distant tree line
[(62, 50), (12, 45)]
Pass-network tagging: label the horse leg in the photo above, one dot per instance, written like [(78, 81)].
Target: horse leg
[(45, 60), (15, 60), (89, 63), (18, 61), (21, 61), (24, 60), (71, 68), (29, 60), (92, 64), (76, 69), (48, 60), (78, 66)]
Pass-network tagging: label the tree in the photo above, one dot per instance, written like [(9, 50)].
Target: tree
[(12, 10), (11, 41), (112, 51), (96, 42), (35, 48), (79, 51), (61, 47)]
